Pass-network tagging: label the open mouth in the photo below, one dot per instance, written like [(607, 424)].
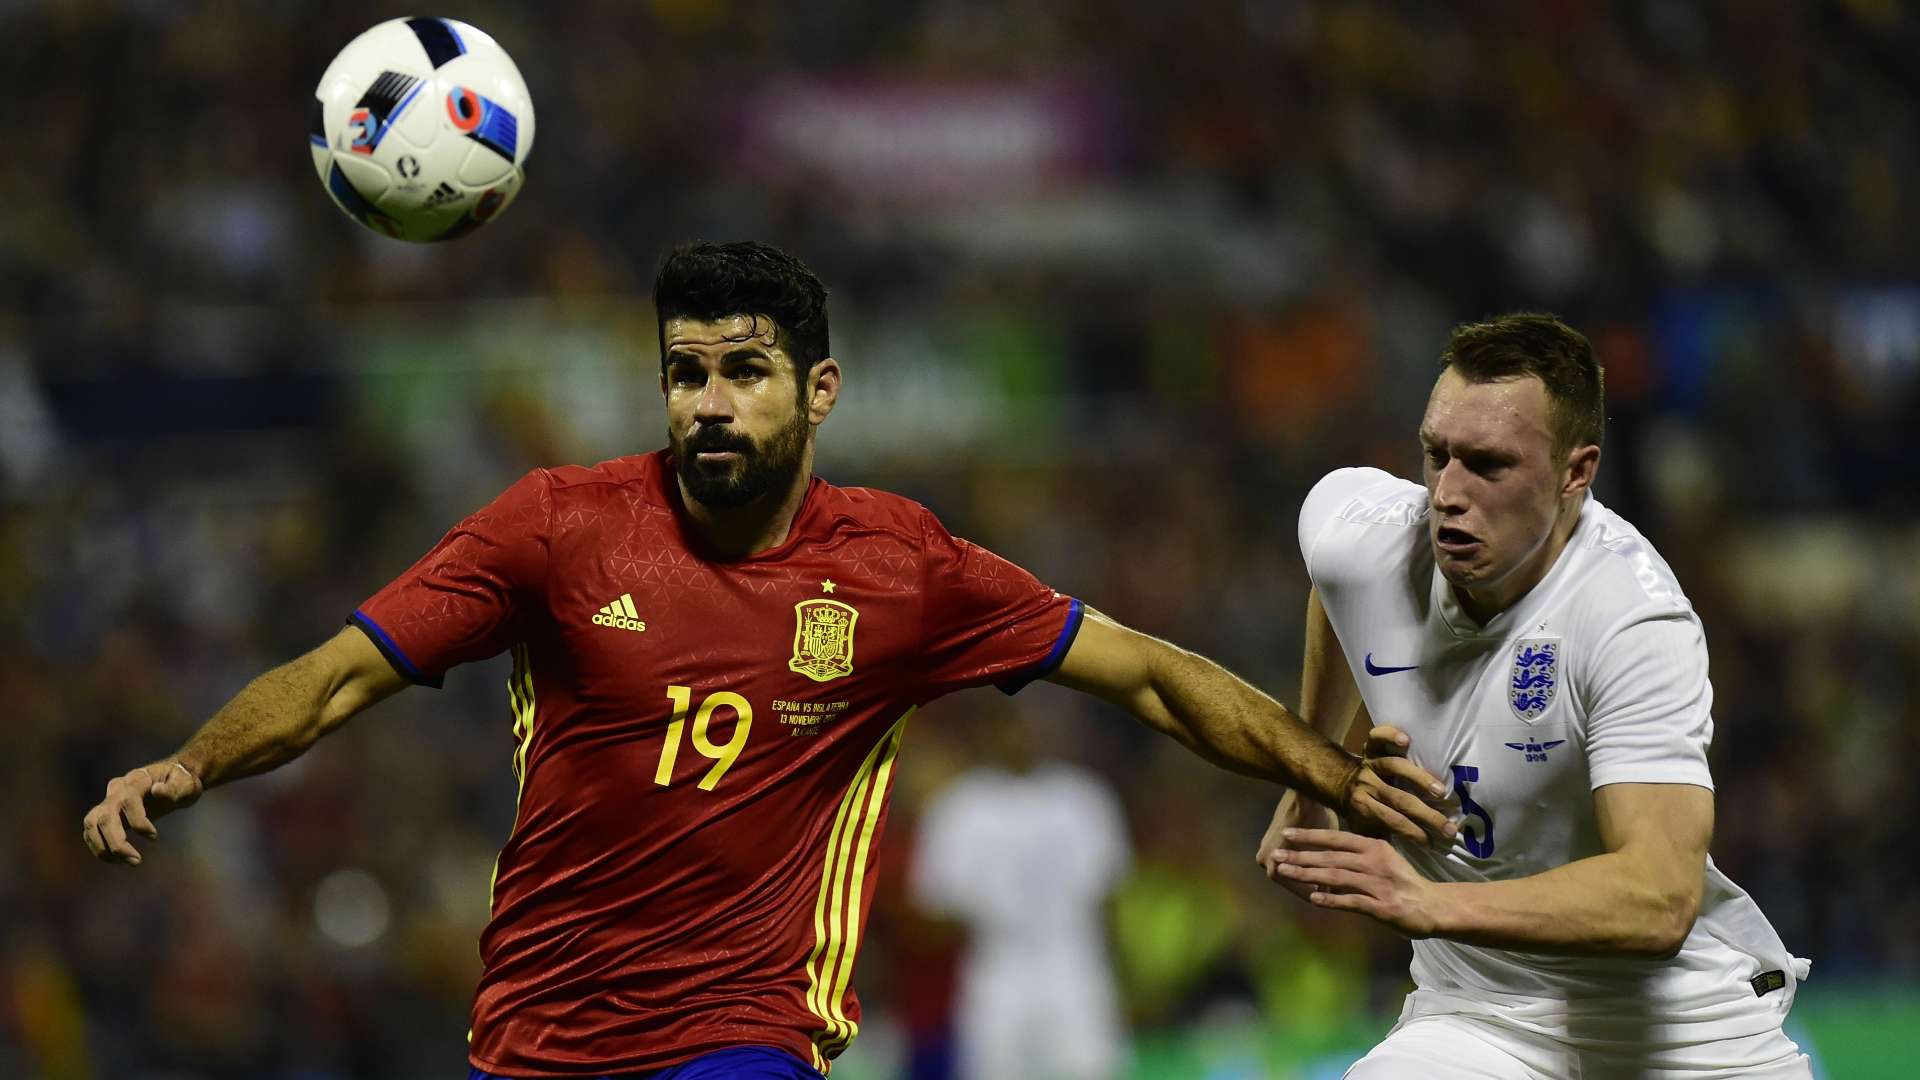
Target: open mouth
[(1455, 541)]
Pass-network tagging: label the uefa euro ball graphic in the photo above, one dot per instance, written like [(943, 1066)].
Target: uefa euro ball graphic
[(420, 128)]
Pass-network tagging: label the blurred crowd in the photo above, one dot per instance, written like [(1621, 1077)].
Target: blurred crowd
[(1113, 282)]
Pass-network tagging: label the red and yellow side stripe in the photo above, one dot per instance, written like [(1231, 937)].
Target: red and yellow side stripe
[(836, 914), (520, 693), (520, 697)]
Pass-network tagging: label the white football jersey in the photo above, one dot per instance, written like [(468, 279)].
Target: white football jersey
[(1597, 676), (1027, 861)]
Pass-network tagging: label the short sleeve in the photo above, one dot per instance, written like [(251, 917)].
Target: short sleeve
[(461, 600), (1328, 497), (1650, 706), (985, 620)]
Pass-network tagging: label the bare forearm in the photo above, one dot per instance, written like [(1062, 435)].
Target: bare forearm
[(1605, 904), (1227, 721), (271, 721)]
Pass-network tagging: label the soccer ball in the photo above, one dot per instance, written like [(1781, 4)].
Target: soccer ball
[(420, 128)]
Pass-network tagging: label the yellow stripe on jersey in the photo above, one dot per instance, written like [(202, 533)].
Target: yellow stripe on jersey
[(523, 714), (821, 940), (520, 696), (856, 881), (836, 914)]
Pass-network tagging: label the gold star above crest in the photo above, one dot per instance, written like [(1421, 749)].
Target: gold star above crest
[(826, 586)]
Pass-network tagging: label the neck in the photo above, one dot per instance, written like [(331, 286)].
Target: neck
[(738, 531), (1484, 603)]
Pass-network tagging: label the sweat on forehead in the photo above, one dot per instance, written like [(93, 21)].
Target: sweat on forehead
[(1459, 406)]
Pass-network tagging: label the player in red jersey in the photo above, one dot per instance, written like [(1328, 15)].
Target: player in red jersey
[(715, 656)]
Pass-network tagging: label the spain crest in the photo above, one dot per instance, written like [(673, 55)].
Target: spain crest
[(1535, 677), (823, 639)]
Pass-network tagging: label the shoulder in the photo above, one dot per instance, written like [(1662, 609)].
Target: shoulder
[(885, 534), (1628, 607), (635, 475), (1363, 496), (1625, 580), (623, 488), (871, 508), (883, 522), (1360, 498)]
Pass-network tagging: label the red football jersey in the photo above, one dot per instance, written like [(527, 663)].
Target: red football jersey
[(704, 749)]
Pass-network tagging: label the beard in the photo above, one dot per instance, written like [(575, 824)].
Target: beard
[(772, 465)]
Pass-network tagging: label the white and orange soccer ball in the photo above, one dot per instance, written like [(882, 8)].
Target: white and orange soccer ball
[(420, 129)]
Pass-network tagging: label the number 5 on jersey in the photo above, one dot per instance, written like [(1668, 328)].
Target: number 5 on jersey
[(724, 754), (1477, 837)]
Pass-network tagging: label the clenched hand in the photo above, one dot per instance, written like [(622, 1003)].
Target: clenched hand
[(132, 803), (1373, 802)]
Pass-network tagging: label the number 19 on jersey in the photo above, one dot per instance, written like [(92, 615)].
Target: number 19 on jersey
[(723, 754)]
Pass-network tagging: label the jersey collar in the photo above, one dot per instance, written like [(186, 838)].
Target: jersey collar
[(667, 489), (1463, 625)]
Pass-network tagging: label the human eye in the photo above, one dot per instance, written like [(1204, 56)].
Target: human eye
[(686, 375)]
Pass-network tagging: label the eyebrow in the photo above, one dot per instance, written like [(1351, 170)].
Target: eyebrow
[(1465, 450), (733, 356)]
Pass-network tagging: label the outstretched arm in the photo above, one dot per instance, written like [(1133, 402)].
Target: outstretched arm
[(1640, 897), (267, 724), (1228, 722)]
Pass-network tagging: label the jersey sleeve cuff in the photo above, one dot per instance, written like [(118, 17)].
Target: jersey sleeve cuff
[(392, 651), (1694, 775), (1054, 656)]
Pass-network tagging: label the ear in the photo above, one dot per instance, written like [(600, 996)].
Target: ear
[(823, 390), (1582, 463)]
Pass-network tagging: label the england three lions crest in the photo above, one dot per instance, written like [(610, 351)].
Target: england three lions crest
[(1535, 677), (823, 639)]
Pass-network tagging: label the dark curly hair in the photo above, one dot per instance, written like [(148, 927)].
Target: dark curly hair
[(1526, 343), (709, 282)]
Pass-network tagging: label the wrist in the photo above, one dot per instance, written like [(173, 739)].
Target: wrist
[(1447, 909), (1345, 770), (194, 769)]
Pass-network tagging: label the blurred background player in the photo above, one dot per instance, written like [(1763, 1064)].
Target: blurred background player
[(1025, 851), (1542, 655), (684, 889)]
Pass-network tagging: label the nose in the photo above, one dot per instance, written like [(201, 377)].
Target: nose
[(714, 405), (1448, 492)]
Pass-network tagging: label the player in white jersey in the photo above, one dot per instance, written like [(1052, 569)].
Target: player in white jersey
[(1548, 667), (1026, 853)]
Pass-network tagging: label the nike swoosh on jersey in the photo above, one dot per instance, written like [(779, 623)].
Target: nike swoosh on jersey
[(1373, 669)]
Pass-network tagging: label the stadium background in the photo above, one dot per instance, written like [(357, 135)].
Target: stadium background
[(1114, 282)]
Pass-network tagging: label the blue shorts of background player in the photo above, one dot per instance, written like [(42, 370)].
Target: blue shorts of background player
[(737, 1063)]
